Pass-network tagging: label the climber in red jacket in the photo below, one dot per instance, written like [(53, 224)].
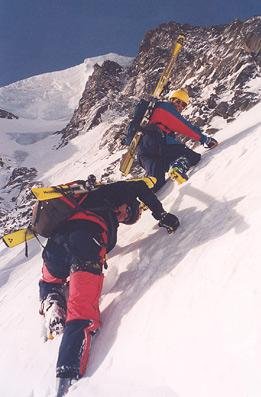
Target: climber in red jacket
[(161, 150)]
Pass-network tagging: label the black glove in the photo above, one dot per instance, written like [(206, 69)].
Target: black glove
[(124, 141), (169, 221), (210, 143)]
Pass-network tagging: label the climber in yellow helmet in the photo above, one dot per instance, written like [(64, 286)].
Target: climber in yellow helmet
[(161, 149), (181, 97)]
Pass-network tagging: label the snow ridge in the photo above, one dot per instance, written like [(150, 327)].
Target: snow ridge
[(55, 95), (181, 313)]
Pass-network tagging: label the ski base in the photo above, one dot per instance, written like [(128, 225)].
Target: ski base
[(18, 237)]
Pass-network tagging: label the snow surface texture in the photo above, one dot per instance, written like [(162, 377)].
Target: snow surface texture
[(181, 313), (55, 95)]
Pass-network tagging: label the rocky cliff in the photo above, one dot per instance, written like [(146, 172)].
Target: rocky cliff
[(7, 115), (217, 66)]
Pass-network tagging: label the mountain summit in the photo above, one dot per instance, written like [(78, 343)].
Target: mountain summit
[(219, 65)]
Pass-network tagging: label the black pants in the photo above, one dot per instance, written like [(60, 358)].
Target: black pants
[(158, 166)]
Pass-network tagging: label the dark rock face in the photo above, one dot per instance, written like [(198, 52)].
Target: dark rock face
[(16, 199), (7, 115), (215, 65), (101, 90), (253, 44)]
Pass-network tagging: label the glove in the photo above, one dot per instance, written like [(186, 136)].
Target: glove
[(210, 143), (169, 221), (124, 141)]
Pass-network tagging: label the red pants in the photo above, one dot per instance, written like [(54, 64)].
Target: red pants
[(83, 319), (84, 294)]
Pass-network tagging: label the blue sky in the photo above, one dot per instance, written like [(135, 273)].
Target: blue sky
[(38, 36)]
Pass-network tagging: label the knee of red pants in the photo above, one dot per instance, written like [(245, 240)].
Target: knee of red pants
[(49, 278), (84, 295)]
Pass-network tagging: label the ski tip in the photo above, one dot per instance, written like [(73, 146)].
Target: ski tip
[(181, 39)]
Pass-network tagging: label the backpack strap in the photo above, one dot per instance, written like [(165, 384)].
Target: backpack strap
[(73, 201), (84, 214), (92, 217)]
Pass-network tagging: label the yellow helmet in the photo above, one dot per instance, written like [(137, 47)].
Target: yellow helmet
[(181, 94)]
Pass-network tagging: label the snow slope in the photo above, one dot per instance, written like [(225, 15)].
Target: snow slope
[(181, 313), (55, 95)]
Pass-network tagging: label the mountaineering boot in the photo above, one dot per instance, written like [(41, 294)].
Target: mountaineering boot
[(178, 169), (62, 386), (53, 308)]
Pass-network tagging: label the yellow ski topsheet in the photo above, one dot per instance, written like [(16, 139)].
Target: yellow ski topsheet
[(165, 77), (18, 237), (41, 192), (46, 193), (52, 192), (128, 157), (49, 193)]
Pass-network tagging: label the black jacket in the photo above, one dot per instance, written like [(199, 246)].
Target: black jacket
[(80, 240), (110, 196)]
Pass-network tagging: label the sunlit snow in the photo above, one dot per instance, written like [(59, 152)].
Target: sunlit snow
[(181, 313), (55, 95)]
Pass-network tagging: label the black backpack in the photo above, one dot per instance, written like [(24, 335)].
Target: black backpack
[(134, 125), (49, 215)]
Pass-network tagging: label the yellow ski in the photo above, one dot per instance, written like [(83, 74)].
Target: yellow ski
[(128, 157), (166, 75), (18, 237), (53, 192), (47, 193)]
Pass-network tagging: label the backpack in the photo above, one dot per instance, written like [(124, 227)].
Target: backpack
[(134, 125), (58, 204), (48, 215)]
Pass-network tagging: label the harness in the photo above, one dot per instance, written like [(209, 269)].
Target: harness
[(88, 215)]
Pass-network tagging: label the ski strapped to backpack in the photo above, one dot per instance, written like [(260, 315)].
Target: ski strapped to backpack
[(49, 214), (55, 205), (161, 88), (18, 237)]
